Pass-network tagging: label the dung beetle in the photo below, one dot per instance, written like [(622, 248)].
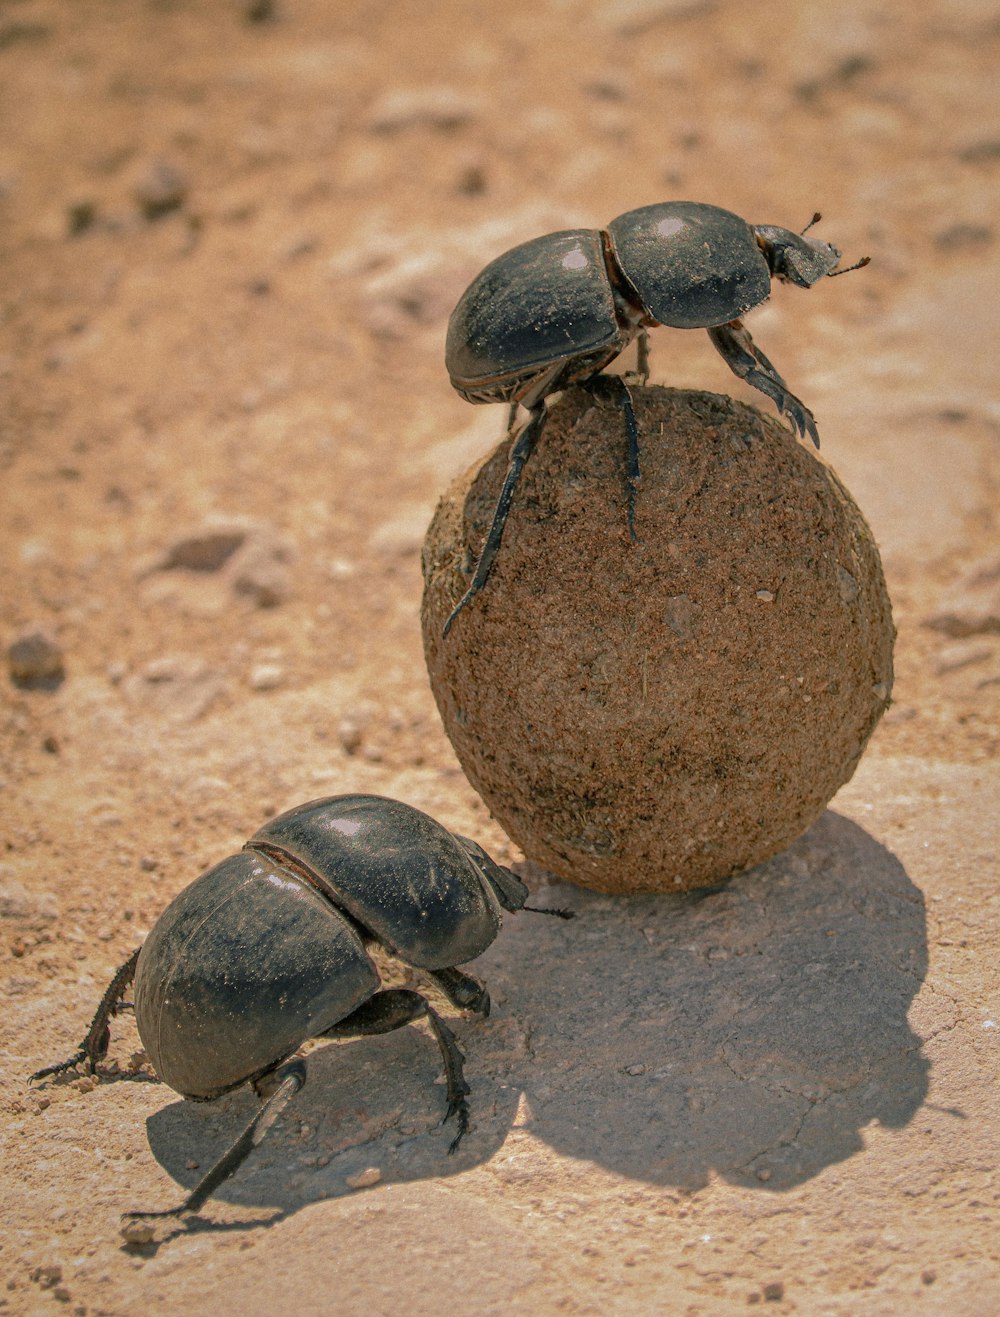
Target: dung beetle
[(556, 310), (267, 949)]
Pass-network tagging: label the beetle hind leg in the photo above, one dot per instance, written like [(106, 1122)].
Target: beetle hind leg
[(745, 359), (94, 1047), (291, 1077)]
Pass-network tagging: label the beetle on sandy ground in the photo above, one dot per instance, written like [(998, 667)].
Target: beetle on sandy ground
[(558, 309), (267, 950)]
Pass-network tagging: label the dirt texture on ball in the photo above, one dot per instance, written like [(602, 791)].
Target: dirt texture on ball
[(657, 715)]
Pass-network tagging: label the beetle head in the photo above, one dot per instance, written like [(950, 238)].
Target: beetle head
[(794, 258), (506, 886)]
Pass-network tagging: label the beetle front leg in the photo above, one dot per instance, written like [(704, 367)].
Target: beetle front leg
[(94, 1047), (462, 990), (745, 359), (521, 450), (291, 1078), (391, 1009)]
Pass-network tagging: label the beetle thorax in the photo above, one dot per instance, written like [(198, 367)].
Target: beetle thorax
[(630, 313)]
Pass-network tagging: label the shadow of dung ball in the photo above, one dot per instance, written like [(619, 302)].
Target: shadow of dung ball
[(659, 715)]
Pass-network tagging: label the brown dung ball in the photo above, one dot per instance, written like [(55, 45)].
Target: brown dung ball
[(655, 716)]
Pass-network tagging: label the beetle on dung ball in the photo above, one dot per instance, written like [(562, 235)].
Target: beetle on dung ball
[(267, 949), (556, 310)]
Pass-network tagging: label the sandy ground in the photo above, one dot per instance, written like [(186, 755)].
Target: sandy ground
[(232, 234)]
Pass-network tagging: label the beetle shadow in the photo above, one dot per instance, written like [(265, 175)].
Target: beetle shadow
[(377, 1102), (750, 1031)]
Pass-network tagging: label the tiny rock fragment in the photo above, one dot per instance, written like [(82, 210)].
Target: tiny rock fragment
[(35, 662), (17, 902), (774, 1290), (46, 1277), (972, 606), (206, 549), (180, 686), (363, 1179), (260, 11), (266, 676), (161, 189), (961, 654), (441, 109), (260, 571), (349, 734), (137, 1233), (80, 216)]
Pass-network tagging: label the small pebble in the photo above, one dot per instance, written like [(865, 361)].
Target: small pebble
[(364, 1179), (774, 1290), (35, 662), (441, 109), (266, 676), (161, 189), (349, 734), (204, 550), (137, 1232)]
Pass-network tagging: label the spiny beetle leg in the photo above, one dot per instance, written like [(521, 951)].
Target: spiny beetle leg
[(291, 1078), (521, 450), (94, 1047), (747, 362), (462, 990)]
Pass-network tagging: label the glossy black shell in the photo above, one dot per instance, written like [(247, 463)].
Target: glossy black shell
[(422, 892), (546, 301), (241, 968), (552, 300), (689, 265), (266, 949)]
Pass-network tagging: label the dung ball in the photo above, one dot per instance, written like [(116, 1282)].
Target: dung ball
[(658, 713)]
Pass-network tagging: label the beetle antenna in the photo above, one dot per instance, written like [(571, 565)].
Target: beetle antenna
[(858, 265), (550, 910), (815, 220)]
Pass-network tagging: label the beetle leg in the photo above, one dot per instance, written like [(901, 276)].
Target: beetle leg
[(462, 990), (633, 473), (520, 451), (642, 356), (745, 359), (602, 384), (94, 1047), (291, 1077), (391, 1009)]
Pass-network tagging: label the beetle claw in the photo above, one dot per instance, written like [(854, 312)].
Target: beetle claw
[(457, 1106)]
